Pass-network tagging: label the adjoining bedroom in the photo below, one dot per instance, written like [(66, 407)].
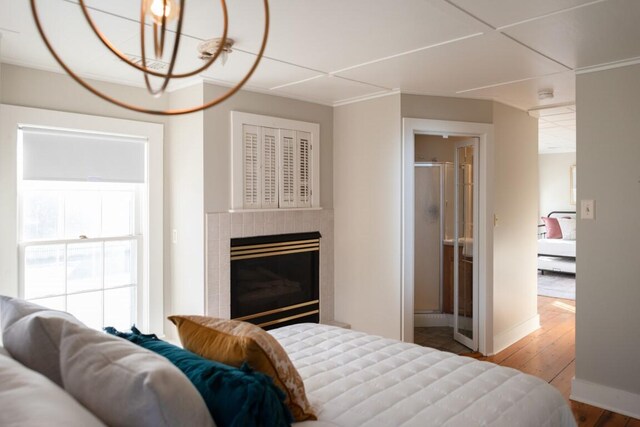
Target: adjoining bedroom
[(557, 206), (335, 213)]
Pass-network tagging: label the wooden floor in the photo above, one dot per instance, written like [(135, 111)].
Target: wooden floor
[(549, 353)]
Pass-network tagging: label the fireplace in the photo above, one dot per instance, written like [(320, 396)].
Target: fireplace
[(275, 279)]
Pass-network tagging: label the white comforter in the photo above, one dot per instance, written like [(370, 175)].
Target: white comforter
[(356, 379)]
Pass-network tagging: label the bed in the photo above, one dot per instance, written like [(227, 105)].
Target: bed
[(556, 254), (356, 379)]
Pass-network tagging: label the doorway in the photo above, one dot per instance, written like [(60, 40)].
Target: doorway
[(479, 247), (445, 274)]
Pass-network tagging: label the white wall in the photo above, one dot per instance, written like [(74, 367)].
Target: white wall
[(367, 193), (515, 189), (555, 182), (608, 271), (185, 191)]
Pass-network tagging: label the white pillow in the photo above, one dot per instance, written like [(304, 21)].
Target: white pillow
[(30, 399), (568, 227), (31, 338), (121, 383), (126, 385)]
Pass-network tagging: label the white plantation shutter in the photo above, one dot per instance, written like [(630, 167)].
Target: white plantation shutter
[(288, 169), (304, 169), (251, 166), (269, 168), (275, 162)]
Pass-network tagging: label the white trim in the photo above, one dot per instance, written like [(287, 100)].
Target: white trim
[(428, 320), (368, 97), (238, 120), (609, 398), (515, 334), (608, 66), (484, 132), (13, 116), (319, 208)]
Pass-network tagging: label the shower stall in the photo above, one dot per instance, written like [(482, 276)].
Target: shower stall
[(445, 267), (434, 224)]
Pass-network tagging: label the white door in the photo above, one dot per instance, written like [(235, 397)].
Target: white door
[(465, 259)]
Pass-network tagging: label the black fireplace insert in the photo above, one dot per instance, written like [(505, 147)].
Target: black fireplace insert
[(275, 279)]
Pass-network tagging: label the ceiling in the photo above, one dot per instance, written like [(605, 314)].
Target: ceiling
[(339, 51)]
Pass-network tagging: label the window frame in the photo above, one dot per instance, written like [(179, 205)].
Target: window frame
[(11, 118)]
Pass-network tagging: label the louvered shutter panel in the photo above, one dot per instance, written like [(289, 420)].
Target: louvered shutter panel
[(287, 169), (251, 160), (269, 168), (304, 169)]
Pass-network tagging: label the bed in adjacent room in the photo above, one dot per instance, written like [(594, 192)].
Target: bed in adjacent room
[(355, 379), (557, 242)]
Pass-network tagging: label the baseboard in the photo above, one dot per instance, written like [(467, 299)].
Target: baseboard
[(609, 398), (515, 334), (429, 320)]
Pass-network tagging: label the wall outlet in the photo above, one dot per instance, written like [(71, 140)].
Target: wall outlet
[(587, 209)]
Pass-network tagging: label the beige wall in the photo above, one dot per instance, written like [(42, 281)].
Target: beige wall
[(554, 171), (442, 108), (515, 192), (217, 144), (608, 271), (434, 148), (185, 194), (367, 193), (28, 87)]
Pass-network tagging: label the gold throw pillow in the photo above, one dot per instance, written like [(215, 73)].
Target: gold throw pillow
[(233, 342)]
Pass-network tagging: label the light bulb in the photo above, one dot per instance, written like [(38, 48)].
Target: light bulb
[(156, 7)]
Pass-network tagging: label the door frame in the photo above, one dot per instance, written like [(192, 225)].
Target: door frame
[(484, 132)]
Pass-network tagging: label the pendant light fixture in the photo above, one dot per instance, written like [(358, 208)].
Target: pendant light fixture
[(158, 14)]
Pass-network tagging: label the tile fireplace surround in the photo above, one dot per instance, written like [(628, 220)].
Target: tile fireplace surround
[(222, 227)]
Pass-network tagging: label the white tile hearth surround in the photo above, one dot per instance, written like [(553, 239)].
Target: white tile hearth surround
[(222, 227)]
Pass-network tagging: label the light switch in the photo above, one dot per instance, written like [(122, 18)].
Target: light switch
[(174, 236), (587, 209)]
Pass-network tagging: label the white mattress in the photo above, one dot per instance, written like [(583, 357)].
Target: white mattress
[(356, 379), (557, 247)]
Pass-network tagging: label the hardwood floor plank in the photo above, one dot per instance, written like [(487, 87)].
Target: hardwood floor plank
[(562, 381), (549, 353), (611, 419), (586, 415)]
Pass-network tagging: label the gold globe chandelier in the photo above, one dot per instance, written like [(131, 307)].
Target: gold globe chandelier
[(160, 13)]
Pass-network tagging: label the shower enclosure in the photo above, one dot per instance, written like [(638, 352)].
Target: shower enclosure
[(434, 216), (446, 250)]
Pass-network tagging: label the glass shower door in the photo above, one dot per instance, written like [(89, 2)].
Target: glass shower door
[(465, 266), (428, 238)]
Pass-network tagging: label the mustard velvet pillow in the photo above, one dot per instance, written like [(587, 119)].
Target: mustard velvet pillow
[(233, 342)]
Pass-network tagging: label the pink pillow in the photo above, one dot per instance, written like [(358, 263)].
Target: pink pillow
[(553, 228)]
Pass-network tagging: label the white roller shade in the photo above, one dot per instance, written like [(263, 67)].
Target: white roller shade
[(57, 155)]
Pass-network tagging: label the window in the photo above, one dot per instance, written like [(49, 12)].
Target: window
[(80, 241), (275, 163)]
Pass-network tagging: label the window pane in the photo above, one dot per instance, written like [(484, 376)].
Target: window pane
[(120, 264), (87, 308), (84, 267), (55, 303), (120, 308), (43, 271), (117, 213), (82, 214), (41, 215)]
